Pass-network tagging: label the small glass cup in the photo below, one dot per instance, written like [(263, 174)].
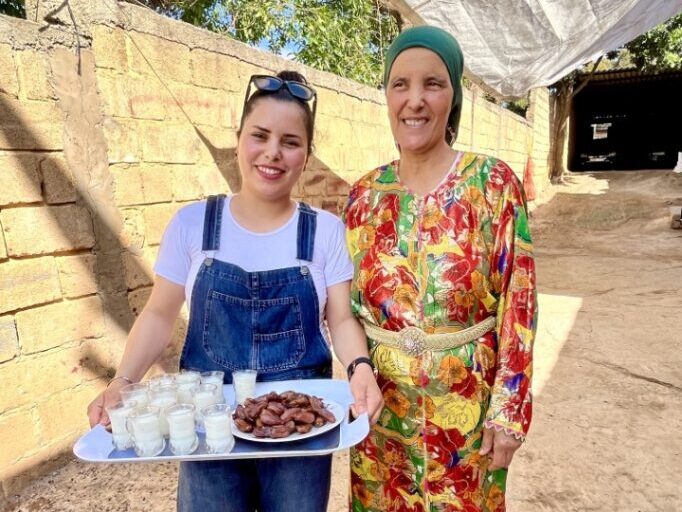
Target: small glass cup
[(163, 397), (143, 426), (203, 395), (138, 392), (183, 435), (186, 380), (165, 379), (219, 438), (244, 382), (118, 414), (217, 379)]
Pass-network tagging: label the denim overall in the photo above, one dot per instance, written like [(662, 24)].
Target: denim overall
[(268, 321)]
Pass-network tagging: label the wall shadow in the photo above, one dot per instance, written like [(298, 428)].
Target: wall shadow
[(224, 158), (110, 267), (321, 187)]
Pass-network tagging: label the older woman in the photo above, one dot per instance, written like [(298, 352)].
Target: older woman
[(445, 287)]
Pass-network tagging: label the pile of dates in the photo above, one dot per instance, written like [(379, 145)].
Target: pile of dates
[(279, 415)]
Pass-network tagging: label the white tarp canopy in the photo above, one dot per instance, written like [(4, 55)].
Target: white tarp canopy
[(515, 45)]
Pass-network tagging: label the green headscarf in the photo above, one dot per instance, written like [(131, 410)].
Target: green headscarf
[(447, 48)]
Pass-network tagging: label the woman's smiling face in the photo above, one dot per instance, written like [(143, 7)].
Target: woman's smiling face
[(272, 148), (419, 98)]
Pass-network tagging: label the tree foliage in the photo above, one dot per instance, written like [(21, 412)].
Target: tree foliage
[(13, 8), (345, 37), (660, 49)]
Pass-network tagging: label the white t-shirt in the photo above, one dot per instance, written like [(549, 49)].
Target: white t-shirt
[(180, 255)]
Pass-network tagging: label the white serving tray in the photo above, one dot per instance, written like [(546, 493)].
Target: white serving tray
[(96, 445)]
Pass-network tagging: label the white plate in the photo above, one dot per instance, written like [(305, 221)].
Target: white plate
[(336, 409)]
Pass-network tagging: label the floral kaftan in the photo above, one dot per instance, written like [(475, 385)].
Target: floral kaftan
[(442, 262)]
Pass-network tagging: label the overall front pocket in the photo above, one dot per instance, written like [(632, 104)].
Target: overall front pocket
[(278, 339)]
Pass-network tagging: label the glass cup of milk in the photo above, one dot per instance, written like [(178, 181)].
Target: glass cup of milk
[(215, 378), (183, 434), (138, 393), (143, 426), (118, 414), (244, 382), (186, 380), (164, 379), (203, 395), (163, 396), (217, 424)]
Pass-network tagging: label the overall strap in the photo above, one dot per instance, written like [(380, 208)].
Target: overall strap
[(212, 220), (307, 224)]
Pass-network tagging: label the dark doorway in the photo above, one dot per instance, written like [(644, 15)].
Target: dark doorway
[(626, 120)]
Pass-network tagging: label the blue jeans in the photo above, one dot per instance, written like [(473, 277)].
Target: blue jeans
[(290, 484)]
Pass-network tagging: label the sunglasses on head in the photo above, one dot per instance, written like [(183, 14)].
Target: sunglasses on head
[(267, 83)]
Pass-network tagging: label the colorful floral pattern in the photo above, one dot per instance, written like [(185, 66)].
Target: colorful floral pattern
[(442, 262)]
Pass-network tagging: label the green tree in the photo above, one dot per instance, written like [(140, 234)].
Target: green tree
[(345, 37), (660, 49), (13, 8)]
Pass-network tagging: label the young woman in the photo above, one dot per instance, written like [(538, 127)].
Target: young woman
[(260, 273)]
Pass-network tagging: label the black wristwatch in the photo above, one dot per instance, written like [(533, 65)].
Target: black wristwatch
[(360, 360)]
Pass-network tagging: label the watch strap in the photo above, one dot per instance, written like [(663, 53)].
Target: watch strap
[(355, 362)]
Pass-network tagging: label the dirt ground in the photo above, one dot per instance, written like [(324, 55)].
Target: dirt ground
[(606, 433)]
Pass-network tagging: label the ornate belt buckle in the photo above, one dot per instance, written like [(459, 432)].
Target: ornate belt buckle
[(412, 340)]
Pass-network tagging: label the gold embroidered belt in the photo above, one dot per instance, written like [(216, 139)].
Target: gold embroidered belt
[(414, 341)]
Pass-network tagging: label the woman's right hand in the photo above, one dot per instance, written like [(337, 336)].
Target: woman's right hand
[(97, 413)]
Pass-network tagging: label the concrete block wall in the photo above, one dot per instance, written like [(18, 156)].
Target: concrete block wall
[(488, 128), (52, 321), (99, 146), (539, 118)]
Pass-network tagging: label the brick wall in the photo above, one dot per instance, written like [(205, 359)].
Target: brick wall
[(99, 146)]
